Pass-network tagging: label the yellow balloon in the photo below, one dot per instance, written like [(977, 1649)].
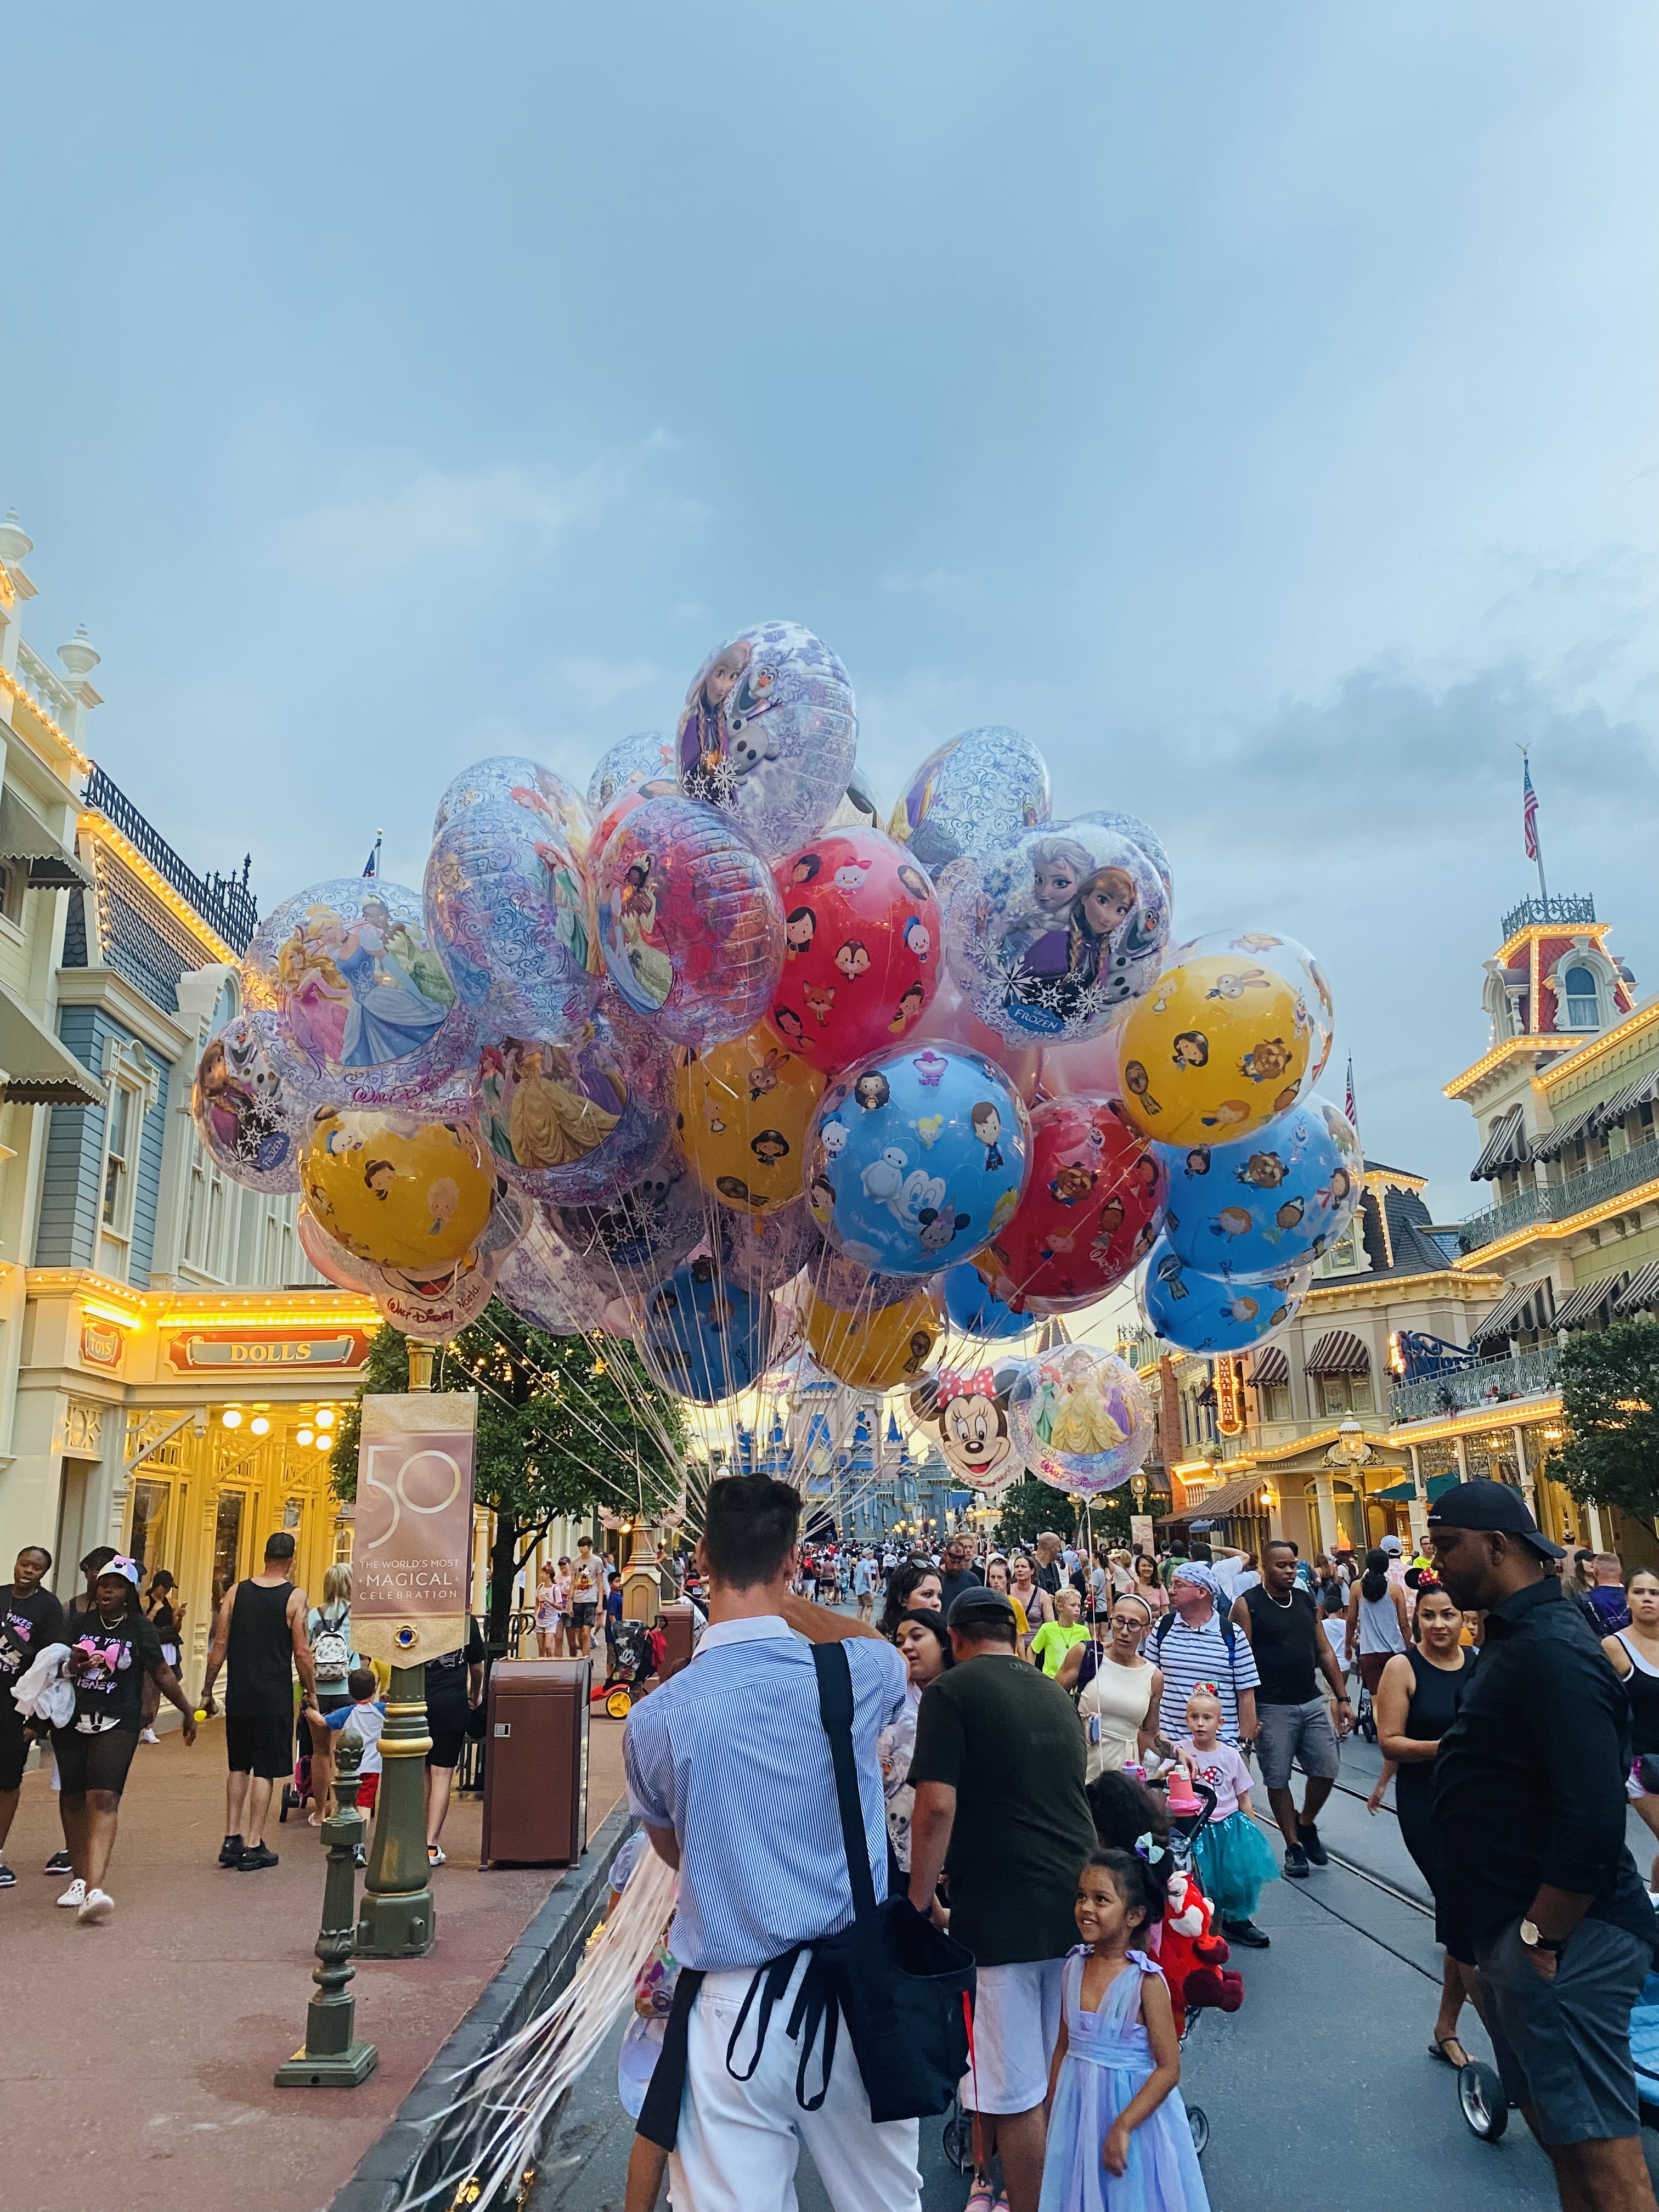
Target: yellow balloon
[(404, 1193), (1217, 1048), (743, 1109), (875, 1350)]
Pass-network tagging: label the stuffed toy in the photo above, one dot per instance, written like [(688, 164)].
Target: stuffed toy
[(1192, 1958)]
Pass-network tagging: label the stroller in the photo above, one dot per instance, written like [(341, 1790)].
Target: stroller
[(631, 1661)]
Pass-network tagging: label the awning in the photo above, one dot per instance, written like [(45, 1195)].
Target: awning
[(1501, 1321), (1402, 1493), (25, 836), (1506, 1147), (1338, 1352), (1588, 1304), (1221, 1502), (1555, 1142), (1641, 1295), (1272, 1367), (35, 1069), (1642, 1092)]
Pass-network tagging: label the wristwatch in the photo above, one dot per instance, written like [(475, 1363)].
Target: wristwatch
[(1535, 1941)]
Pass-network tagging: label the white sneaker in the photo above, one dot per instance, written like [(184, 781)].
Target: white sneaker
[(97, 1909), (76, 1894), (434, 1855), (148, 1736)]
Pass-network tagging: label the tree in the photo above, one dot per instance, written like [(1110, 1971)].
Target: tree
[(1610, 1400), (1030, 1508), (565, 1423)]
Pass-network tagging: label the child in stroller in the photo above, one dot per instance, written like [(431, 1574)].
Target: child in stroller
[(633, 1661)]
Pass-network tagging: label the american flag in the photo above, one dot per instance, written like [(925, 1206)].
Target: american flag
[(1348, 1106), (1528, 809), (372, 864)]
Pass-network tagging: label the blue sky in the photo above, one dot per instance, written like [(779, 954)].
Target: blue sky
[(1255, 405)]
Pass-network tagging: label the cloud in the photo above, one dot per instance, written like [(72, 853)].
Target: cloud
[(586, 681)]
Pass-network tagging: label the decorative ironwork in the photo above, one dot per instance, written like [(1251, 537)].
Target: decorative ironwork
[(1537, 913), (1482, 1382), (225, 902), (1557, 1202)]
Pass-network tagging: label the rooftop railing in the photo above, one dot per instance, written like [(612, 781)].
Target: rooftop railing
[(224, 903)]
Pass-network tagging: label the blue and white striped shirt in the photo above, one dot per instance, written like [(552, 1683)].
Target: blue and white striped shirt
[(731, 1755)]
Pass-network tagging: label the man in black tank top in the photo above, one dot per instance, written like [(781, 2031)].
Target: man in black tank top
[(1292, 1720), (261, 1632)]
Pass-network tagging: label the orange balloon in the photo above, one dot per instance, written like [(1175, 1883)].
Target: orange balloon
[(743, 1112)]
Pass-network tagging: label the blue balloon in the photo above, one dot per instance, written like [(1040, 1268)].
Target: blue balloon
[(1205, 1312), (916, 1158), (974, 1310), (703, 1336), (1262, 1205)]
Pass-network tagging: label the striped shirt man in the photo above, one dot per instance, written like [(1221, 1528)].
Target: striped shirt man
[(1187, 1656)]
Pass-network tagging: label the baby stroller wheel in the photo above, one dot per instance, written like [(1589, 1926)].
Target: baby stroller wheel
[(619, 1702), (1365, 1718), (957, 2142), (1482, 2099), (1199, 2120), (290, 1801)]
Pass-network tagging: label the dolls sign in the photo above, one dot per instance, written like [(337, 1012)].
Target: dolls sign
[(412, 1559)]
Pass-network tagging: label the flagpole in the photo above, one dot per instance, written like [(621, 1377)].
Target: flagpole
[(1537, 841)]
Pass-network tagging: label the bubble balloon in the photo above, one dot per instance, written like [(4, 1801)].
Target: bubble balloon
[(634, 1240), (691, 923), (704, 1338), (1236, 1030), (1263, 1205), (964, 1412), (764, 1251), (398, 1192), (849, 1286), (632, 762), (1091, 1210), (914, 1159), (769, 733), (241, 1109), (510, 779), (974, 1308), (742, 1113), (1138, 833), (862, 952), (544, 1283), (1081, 1418), (578, 1121), (875, 1350), (1206, 1313), (1051, 937), (975, 794)]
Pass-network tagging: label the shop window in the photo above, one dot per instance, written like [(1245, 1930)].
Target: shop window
[(194, 1210), (226, 1544), (125, 1116), (13, 882), (147, 1542), (1342, 1395)]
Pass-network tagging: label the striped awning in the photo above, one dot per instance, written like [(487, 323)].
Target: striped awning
[(1272, 1367), (1506, 1147), (1589, 1302), (1338, 1352), (1505, 1317), (1595, 1121), (1641, 1294), (1555, 1142)]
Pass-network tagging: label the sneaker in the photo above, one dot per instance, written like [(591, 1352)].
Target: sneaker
[(434, 1855), (76, 1894), (1246, 1933), (1296, 1862), (148, 1736), (8, 1879), (97, 1909), (1311, 1845), (255, 1858), (230, 1851), (360, 1856), (58, 1863)]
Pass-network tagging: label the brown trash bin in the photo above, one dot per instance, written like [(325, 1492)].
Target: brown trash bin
[(535, 1793), (676, 1634)]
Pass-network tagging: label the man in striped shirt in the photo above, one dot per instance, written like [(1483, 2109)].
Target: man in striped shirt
[(1191, 1645)]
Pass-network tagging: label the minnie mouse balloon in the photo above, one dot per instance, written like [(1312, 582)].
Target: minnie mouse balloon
[(578, 1121), (975, 794), (1207, 1313), (1265, 1204), (1091, 1210), (964, 1412), (691, 923), (1081, 1418), (241, 1110), (862, 952), (768, 734)]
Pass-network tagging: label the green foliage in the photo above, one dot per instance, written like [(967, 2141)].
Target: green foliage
[(1028, 1509), (1610, 1400)]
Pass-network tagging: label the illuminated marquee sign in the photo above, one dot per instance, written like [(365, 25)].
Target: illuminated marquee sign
[(215, 1351), (103, 1344), (1229, 1397)]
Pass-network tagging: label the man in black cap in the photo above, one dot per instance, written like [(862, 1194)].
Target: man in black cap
[(1533, 1882), (1000, 1810)]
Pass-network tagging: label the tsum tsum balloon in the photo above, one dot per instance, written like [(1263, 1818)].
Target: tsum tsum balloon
[(691, 923), (1236, 1030), (704, 1338), (1206, 1313), (633, 1240), (1053, 936), (966, 1413), (974, 1310), (1091, 1211), (1265, 1204), (769, 733), (1080, 1418), (241, 1110), (916, 1158), (975, 794), (631, 764), (577, 1120), (396, 1191), (742, 1113), (875, 1350), (862, 949), (544, 1283)]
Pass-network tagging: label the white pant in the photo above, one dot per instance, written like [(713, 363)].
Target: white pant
[(739, 2141)]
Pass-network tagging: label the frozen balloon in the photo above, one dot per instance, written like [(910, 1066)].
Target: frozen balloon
[(544, 1283), (1080, 1419), (1138, 833), (975, 794), (1263, 1205), (242, 1108), (1207, 1313), (633, 1240), (768, 734)]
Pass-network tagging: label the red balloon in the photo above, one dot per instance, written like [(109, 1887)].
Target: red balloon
[(1091, 1211), (862, 957)]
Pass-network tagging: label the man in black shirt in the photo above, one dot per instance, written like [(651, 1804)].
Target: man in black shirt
[(957, 1573), (1292, 1722), (30, 1618), (1533, 1881)]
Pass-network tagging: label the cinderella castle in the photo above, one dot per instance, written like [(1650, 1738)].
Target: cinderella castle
[(861, 1481)]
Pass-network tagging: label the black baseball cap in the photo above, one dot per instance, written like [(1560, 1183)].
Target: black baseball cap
[(1491, 1505), (977, 1608)]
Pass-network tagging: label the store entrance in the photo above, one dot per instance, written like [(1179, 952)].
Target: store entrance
[(229, 1520)]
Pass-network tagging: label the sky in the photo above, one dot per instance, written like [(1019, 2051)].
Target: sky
[(1252, 405)]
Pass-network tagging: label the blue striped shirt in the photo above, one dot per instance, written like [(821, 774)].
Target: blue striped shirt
[(731, 1755)]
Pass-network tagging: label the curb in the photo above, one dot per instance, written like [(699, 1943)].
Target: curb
[(412, 2151)]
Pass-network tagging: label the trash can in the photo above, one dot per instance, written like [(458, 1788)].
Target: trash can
[(676, 1634), (535, 1795)]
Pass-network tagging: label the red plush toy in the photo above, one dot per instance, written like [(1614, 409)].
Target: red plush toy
[(1191, 1958)]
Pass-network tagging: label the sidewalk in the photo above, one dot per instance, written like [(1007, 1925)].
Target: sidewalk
[(139, 2066)]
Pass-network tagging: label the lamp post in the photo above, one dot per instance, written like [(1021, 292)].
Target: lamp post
[(334, 2057)]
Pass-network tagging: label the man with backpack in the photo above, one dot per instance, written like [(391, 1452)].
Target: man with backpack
[(1192, 1645)]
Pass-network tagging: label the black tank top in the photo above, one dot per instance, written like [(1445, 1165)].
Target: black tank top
[(260, 1656), (1286, 1641), (1436, 1693), (1642, 1688)]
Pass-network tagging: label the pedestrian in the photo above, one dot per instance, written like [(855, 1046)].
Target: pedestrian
[(31, 1618), (728, 1765), (1147, 1586), (328, 1632), (913, 1588), (1195, 1642), (1528, 1848), (999, 1811), (1048, 1566), (958, 1572), (1378, 1626), (613, 1613), (1634, 1652), (1119, 2137), (924, 1644), (1034, 1603), (1294, 1724), (564, 1641), (547, 1612), (165, 1610), (584, 1596), (454, 1691), (1248, 1576), (364, 1716), (1051, 1643), (864, 1586), (260, 1637), (1232, 1862), (1417, 1701), (1607, 1599), (113, 1647), (1334, 1622), (1117, 1690)]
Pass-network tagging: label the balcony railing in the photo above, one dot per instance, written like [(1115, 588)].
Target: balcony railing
[(1521, 1376), (1538, 912), (224, 903), (46, 690), (1556, 1202)]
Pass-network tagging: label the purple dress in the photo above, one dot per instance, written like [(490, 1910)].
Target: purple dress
[(1107, 2057)]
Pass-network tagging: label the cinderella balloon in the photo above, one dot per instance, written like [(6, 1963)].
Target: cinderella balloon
[(647, 757), (703, 1337), (974, 1308), (580, 1120), (1081, 1418), (1206, 1313), (769, 733), (634, 1240), (1057, 932), (1263, 1205), (241, 1110), (975, 794), (917, 1157), (544, 1283)]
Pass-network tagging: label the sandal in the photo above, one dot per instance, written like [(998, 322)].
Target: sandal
[(979, 2199), (1437, 2050)]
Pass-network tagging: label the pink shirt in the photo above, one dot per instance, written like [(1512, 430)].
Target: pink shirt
[(1224, 1770)]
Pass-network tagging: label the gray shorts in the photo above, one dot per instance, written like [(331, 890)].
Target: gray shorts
[(1285, 1733), (1563, 2047)]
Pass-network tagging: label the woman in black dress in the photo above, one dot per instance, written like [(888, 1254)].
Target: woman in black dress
[(1417, 1701), (1634, 1652)]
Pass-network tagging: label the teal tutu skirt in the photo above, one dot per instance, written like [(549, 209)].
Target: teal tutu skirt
[(1234, 1861)]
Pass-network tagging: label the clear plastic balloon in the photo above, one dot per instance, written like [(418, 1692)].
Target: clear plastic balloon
[(578, 1121), (691, 923), (634, 1240), (1138, 832), (631, 763), (1052, 936), (964, 1412), (1236, 1030), (703, 1337), (435, 1308), (351, 1002), (972, 1308), (875, 1350), (742, 1110), (507, 778), (762, 1252), (949, 1023), (242, 1110), (849, 1286), (769, 733), (1080, 1418), (1091, 1209), (330, 1258), (397, 1191), (862, 957), (544, 1283), (916, 1159), (1206, 1313), (1263, 1205), (975, 794)]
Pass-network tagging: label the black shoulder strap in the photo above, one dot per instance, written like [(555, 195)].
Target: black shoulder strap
[(834, 1674)]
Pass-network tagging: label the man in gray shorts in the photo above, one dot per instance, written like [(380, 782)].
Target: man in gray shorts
[(1293, 1723)]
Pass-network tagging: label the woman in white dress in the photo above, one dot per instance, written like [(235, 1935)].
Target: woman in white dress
[(1118, 1691)]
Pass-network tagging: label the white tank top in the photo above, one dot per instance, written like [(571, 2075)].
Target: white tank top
[(1379, 1624)]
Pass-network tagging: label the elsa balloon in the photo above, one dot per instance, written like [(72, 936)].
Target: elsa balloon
[(1080, 1419), (769, 733), (241, 1109), (634, 1240), (974, 795)]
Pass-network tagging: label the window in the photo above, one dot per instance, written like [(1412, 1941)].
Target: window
[(1583, 1004), (216, 1225), (1341, 1394), (13, 882), (148, 1543), (1274, 1399), (117, 1159), (193, 1210)]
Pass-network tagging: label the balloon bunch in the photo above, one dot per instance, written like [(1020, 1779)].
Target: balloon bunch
[(704, 1058)]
